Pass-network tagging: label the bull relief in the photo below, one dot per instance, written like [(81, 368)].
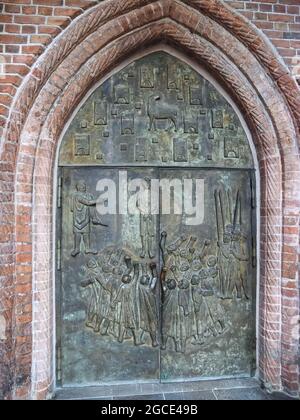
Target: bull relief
[(146, 296)]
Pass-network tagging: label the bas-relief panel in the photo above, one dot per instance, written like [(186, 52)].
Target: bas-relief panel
[(178, 298), (157, 111), (146, 297)]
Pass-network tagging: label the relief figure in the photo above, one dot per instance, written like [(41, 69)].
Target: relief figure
[(148, 305), (172, 327), (187, 314), (147, 78), (240, 251), (101, 298), (124, 303), (92, 307), (202, 292), (211, 282), (84, 215), (233, 250), (191, 307), (233, 258), (173, 251), (147, 224)]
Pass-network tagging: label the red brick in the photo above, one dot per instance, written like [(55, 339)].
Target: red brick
[(51, 30), (40, 39), (6, 18), (27, 29), (12, 49), (46, 2), (7, 89), (46, 11), (84, 4), (32, 49), (18, 1), (71, 12), (29, 10), (13, 79), (13, 29), (12, 39), (10, 8), (17, 69), (58, 21), (30, 20), (5, 100), (23, 59), (280, 17)]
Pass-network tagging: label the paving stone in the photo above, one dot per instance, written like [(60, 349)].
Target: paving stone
[(276, 396), (241, 394), (199, 396), (151, 388), (218, 384), (174, 396), (84, 392), (190, 396), (151, 397)]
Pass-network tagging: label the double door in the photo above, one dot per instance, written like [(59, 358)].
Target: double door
[(154, 287)]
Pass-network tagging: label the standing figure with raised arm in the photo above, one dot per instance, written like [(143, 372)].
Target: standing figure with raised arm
[(84, 214)]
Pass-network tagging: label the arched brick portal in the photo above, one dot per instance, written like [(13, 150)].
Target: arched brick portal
[(95, 44)]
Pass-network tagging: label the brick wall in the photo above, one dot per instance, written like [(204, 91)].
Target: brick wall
[(26, 28), (280, 21)]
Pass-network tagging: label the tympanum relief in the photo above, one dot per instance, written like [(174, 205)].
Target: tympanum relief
[(172, 106)]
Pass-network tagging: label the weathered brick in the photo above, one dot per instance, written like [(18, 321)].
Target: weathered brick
[(12, 39)]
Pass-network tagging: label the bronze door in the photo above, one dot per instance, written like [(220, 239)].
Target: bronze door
[(161, 296), (108, 292), (170, 295)]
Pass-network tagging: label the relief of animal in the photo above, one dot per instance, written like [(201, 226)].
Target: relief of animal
[(159, 109)]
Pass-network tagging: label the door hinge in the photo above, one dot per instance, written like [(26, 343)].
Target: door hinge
[(59, 362), (59, 192), (254, 257), (58, 254), (253, 192)]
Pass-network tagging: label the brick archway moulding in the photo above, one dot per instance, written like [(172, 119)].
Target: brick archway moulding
[(91, 47)]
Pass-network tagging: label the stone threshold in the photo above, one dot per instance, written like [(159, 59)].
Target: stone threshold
[(220, 389)]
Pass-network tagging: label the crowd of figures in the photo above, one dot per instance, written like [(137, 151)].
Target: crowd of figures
[(191, 308), (122, 301), (124, 295), (129, 299)]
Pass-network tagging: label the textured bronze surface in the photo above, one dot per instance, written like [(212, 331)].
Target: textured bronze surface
[(157, 111), (147, 297), (209, 282)]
